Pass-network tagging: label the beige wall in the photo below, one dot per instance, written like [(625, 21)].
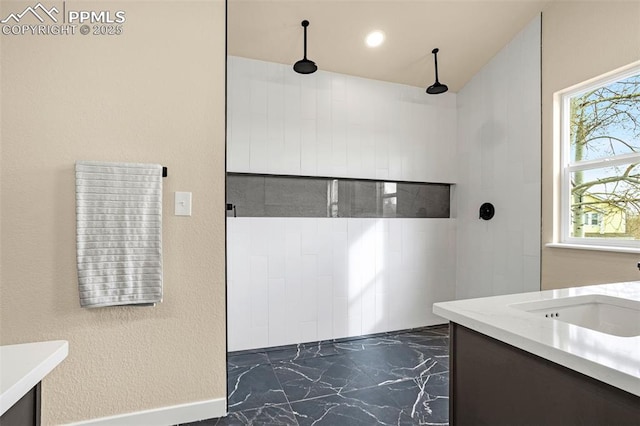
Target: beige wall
[(153, 94), (581, 40)]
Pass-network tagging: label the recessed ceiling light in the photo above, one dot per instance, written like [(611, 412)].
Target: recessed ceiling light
[(374, 38)]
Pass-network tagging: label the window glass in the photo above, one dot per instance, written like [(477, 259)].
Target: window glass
[(604, 121), (601, 185)]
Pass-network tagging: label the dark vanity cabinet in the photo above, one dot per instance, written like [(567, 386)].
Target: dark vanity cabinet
[(25, 412), (493, 383), (23, 367)]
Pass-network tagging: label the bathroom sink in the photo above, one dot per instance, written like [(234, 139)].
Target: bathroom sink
[(606, 314)]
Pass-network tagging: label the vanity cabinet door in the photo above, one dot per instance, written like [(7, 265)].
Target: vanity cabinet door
[(493, 383), (26, 411)]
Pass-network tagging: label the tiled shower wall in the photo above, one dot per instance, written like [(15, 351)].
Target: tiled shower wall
[(328, 124), (302, 279), (294, 280), (499, 153)]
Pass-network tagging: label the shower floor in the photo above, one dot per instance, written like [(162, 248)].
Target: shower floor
[(396, 378)]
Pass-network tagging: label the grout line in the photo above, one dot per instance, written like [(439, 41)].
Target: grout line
[(283, 391)]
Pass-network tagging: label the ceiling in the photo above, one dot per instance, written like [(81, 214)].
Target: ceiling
[(468, 33)]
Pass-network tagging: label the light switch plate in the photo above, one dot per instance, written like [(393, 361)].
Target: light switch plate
[(183, 204)]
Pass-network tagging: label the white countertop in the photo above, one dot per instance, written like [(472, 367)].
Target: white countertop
[(611, 359), (23, 366)]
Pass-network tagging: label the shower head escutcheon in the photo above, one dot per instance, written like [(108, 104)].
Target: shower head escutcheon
[(437, 87), (304, 65)]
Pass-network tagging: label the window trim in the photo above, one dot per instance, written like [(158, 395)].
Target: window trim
[(566, 167)]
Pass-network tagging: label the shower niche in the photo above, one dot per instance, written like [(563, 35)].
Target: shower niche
[(254, 195)]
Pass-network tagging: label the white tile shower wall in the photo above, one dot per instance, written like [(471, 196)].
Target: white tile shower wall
[(298, 280), (499, 152), (328, 124)]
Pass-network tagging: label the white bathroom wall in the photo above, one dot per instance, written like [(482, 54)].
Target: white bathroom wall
[(499, 161), (293, 280), (328, 124)]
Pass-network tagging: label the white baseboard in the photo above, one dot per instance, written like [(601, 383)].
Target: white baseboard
[(165, 416)]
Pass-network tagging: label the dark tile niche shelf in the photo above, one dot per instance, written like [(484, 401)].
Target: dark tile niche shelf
[(253, 195)]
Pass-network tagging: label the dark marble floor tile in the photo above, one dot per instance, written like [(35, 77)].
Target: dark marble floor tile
[(432, 341), (207, 422), (422, 400), (393, 339), (312, 377), (358, 345), (442, 329), (396, 363), (253, 386), (395, 378), (272, 415), (441, 342), (429, 350), (437, 385), (429, 410), (431, 346), (364, 407), (303, 351), (443, 360), (406, 392), (428, 339), (245, 359)]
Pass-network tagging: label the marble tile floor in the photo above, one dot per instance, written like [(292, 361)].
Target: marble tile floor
[(397, 378)]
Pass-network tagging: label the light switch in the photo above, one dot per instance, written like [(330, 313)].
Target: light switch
[(183, 204)]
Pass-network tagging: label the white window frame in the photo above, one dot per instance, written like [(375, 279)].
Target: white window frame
[(566, 167)]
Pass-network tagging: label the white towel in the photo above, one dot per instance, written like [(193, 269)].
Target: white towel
[(119, 233)]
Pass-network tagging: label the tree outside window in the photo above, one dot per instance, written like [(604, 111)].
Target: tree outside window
[(601, 187)]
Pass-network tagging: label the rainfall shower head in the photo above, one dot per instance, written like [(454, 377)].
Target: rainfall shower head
[(304, 65), (437, 87)]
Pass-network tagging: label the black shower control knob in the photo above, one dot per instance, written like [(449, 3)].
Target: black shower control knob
[(487, 211)]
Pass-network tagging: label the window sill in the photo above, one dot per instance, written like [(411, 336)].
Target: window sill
[(594, 247)]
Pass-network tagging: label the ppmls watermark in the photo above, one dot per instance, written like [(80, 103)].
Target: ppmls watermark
[(57, 19)]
